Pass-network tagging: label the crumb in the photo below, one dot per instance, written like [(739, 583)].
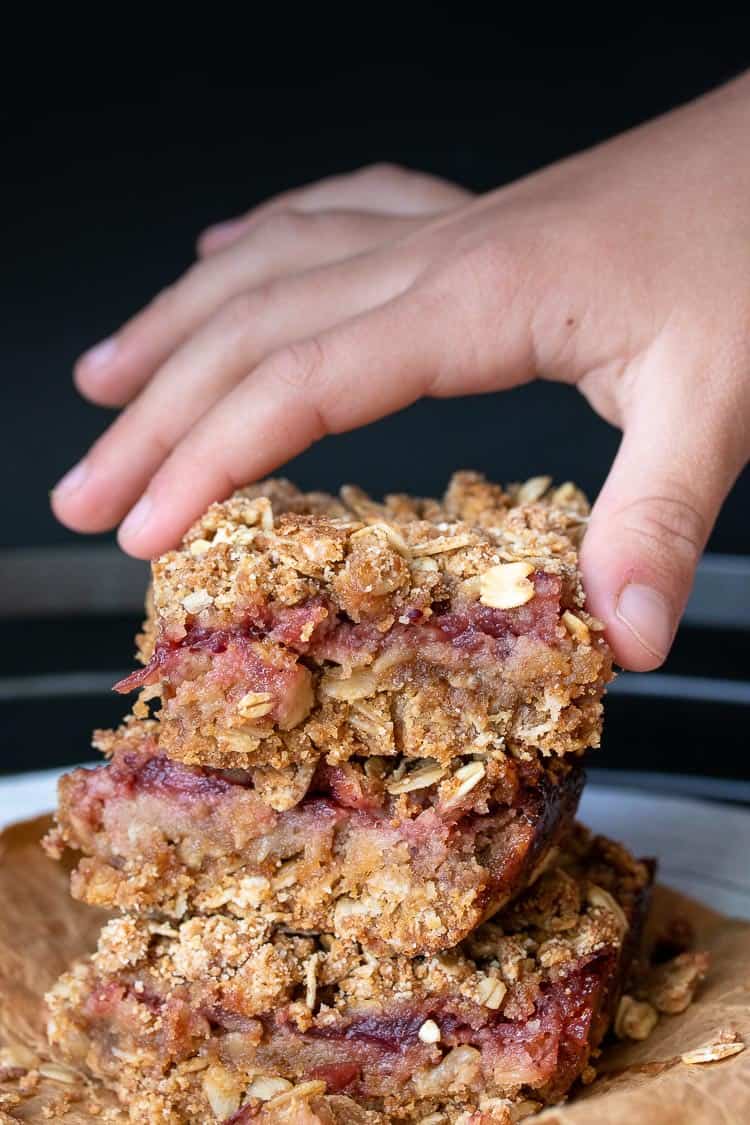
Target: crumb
[(671, 986)]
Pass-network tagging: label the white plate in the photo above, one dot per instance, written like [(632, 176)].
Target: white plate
[(702, 847)]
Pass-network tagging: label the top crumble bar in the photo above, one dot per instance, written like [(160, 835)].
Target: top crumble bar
[(292, 626)]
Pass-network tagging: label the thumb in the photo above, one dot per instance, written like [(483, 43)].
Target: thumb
[(650, 524)]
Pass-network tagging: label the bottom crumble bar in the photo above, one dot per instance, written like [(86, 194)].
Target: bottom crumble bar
[(218, 1019), (399, 859)]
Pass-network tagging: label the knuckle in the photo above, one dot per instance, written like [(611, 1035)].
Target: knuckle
[(248, 306), (301, 365), (478, 280), (284, 224), (237, 311), (490, 269), (669, 528)]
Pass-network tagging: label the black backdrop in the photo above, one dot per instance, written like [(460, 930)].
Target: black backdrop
[(118, 147)]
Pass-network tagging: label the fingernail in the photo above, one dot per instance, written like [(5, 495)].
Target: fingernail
[(137, 517), (100, 355), (72, 480), (649, 616)]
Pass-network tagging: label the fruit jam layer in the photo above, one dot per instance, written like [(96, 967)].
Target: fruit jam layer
[(545, 1050), (385, 1060), (474, 635), (286, 684), (406, 872)]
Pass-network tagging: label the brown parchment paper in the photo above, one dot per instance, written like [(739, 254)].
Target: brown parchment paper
[(42, 930)]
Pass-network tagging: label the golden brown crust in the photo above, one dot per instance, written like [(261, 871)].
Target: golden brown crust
[(205, 1017), (405, 860), (347, 627)]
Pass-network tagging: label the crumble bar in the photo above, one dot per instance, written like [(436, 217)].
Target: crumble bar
[(407, 859), (220, 1019), (291, 626)]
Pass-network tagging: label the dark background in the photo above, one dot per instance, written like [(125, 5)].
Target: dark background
[(117, 153)]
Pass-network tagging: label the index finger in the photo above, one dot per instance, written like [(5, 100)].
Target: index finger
[(363, 369)]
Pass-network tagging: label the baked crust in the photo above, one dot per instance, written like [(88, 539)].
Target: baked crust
[(214, 1018), (292, 626), (401, 860)]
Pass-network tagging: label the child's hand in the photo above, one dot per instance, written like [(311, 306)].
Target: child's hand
[(624, 271)]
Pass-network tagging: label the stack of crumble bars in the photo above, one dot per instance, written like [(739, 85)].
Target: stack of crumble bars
[(338, 828)]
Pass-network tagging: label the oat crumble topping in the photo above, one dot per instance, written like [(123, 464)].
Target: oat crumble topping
[(293, 626)]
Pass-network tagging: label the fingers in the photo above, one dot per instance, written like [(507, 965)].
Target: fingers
[(382, 188), (318, 380), (112, 373), (331, 382), (650, 524), (348, 344), (233, 342)]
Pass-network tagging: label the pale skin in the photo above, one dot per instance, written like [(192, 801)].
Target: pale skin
[(623, 271)]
